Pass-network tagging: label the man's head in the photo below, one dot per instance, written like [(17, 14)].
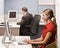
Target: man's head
[(24, 10)]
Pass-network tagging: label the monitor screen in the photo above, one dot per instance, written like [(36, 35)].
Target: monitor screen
[(12, 15)]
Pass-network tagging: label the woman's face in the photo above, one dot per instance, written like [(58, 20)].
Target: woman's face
[(44, 16)]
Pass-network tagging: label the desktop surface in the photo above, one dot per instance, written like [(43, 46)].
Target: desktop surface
[(15, 44)]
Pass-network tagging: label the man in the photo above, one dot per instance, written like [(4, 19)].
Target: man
[(25, 22)]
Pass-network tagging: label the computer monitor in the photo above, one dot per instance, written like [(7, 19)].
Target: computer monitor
[(12, 15)]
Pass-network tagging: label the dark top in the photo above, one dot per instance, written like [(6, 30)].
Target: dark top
[(25, 24)]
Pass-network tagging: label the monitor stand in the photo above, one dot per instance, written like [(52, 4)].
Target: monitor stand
[(8, 37)]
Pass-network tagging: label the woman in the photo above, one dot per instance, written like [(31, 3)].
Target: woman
[(48, 32)]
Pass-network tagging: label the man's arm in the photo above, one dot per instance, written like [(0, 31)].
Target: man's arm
[(21, 23)]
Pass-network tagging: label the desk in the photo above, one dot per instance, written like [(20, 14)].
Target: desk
[(16, 42), (13, 28)]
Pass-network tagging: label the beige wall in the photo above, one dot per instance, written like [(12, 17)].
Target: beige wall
[(58, 22), (1, 17)]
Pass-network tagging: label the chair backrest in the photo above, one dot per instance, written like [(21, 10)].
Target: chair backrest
[(35, 24), (52, 45)]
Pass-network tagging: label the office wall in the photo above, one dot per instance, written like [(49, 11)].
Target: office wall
[(41, 8), (1, 6), (18, 4), (1, 10), (32, 5)]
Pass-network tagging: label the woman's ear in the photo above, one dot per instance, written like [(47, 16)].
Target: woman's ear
[(49, 16), (52, 19)]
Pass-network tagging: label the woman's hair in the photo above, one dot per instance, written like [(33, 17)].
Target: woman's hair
[(51, 15)]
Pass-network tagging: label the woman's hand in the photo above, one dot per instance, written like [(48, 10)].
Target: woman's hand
[(28, 41)]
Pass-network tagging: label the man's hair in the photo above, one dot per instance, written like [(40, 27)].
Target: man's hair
[(25, 9)]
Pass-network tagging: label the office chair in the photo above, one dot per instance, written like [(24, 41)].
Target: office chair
[(35, 24)]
